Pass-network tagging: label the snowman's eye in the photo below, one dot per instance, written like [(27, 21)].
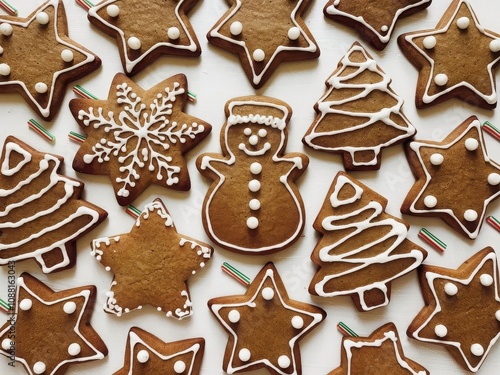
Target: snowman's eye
[(262, 133), (247, 131)]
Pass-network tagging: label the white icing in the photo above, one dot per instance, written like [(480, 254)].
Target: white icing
[(253, 140), (477, 350), (6, 344), (252, 222), (6, 29), (450, 289), (244, 355), (437, 159), (430, 201), (143, 356), (179, 367), (41, 87), (254, 186), (495, 45), (463, 23), (297, 322), (74, 349), (268, 293), (173, 33), (255, 168), (39, 367), (26, 304), (236, 28), (429, 42), (113, 10), (441, 79), (134, 43), (293, 33), (494, 179), (258, 55), (67, 55), (42, 18), (470, 215), (234, 316), (254, 204), (471, 144), (497, 315), (4, 69), (284, 361), (69, 307), (486, 280), (327, 106), (440, 330)]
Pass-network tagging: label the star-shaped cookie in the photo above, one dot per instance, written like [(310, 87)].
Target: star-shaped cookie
[(456, 180), (51, 330), (265, 326), (462, 308), (457, 37), (380, 353), (263, 34), (138, 137), (41, 213), (37, 58), (373, 20), (147, 354), (151, 264), (145, 30)]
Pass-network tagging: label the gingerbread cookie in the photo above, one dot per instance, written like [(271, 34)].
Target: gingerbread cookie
[(145, 30), (263, 34), (359, 114), (373, 20), (462, 309), (138, 137), (265, 326), (41, 40), (456, 180), (362, 248), (253, 186), (457, 37), (41, 213), (50, 330), (381, 353), (147, 354), (153, 253)]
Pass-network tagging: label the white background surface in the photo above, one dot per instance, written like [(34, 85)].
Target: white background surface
[(217, 77)]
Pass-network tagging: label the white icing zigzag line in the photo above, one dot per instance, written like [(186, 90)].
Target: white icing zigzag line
[(328, 107), (397, 229)]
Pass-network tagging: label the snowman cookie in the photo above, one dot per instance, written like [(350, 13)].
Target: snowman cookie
[(253, 205)]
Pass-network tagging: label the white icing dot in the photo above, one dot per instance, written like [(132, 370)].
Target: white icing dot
[(41, 87), (254, 204), (254, 186), (293, 33), (244, 355), (262, 133), (284, 361), (252, 222), (253, 140), (495, 45), (497, 315), (234, 316), (143, 356), (69, 307), (471, 144), (67, 55), (236, 28), (470, 215), (429, 42), (4, 69), (485, 279), (267, 293), (42, 18), (179, 367), (494, 179), (247, 131), (255, 168), (6, 29), (74, 349), (39, 367), (441, 79), (477, 350), (450, 289), (259, 55), (6, 344), (463, 23), (430, 201), (384, 28), (297, 322), (437, 159), (25, 304), (113, 10), (1, 50), (440, 330), (134, 43), (173, 33)]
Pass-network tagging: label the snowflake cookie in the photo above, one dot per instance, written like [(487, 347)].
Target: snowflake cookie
[(50, 331), (265, 326), (151, 264), (138, 137), (462, 309)]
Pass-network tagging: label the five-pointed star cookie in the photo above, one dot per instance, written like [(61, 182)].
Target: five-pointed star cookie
[(263, 34), (147, 354), (462, 308), (264, 326), (51, 330), (37, 58), (456, 180), (458, 37), (374, 20), (380, 353), (138, 137), (145, 30), (151, 264)]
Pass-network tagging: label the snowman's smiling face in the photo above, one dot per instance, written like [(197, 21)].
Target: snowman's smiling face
[(255, 141)]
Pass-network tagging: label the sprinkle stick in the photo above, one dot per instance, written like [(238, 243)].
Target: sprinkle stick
[(80, 91), (432, 240), (133, 211), (34, 125), (494, 222), (4, 306), (8, 8), (75, 137), (86, 4), (234, 273), (345, 330), (492, 130), (191, 96)]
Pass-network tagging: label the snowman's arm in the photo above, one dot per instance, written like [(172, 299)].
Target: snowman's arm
[(295, 164), (213, 166)]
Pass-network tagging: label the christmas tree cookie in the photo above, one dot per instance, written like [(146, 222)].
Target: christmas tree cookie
[(253, 205), (138, 137), (362, 249), (359, 114), (151, 265), (41, 213)]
